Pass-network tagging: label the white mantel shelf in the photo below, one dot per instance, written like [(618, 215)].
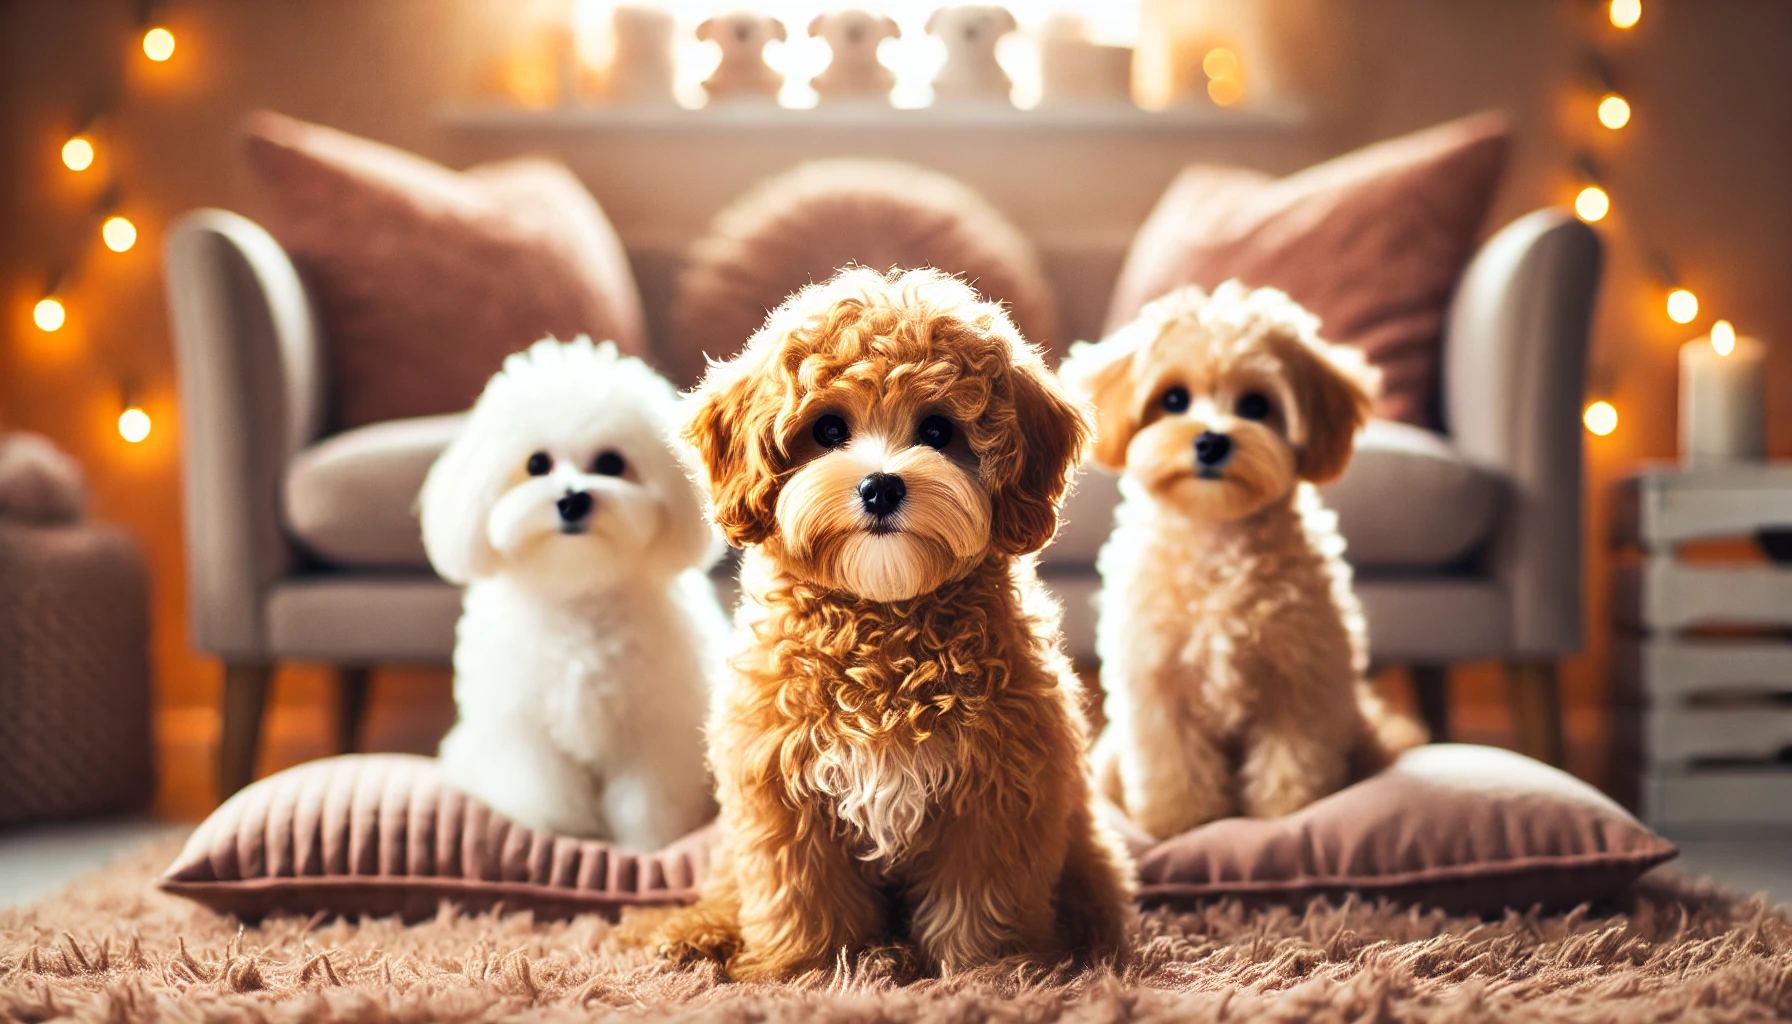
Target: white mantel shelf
[(1270, 119)]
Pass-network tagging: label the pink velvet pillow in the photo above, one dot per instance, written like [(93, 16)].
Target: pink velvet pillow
[(1467, 828), (1372, 242), (427, 278), (804, 224), (380, 834), (1471, 829)]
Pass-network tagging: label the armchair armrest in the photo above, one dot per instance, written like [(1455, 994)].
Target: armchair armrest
[(1514, 366), (251, 392)]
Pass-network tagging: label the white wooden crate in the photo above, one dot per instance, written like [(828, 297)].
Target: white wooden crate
[(1668, 505), (1662, 594), (1717, 797), (1673, 669), (1708, 702)]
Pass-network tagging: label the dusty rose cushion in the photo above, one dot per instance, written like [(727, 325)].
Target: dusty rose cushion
[(1372, 242), (1471, 829), (380, 834), (426, 278), (804, 224), (1468, 828)]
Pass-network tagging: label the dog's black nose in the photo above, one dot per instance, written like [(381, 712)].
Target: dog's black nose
[(882, 494), (1211, 449), (574, 507)]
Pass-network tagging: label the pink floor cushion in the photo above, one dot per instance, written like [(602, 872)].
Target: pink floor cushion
[(1467, 828), (381, 834), (1470, 829)]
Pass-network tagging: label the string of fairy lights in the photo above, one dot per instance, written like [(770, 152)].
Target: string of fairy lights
[(80, 152), (1594, 202)]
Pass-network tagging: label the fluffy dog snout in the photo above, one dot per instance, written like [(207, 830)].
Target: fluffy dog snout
[(1212, 450), (882, 494), (574, 507)]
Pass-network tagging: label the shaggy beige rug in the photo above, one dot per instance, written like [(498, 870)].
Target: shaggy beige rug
[(111, 948)]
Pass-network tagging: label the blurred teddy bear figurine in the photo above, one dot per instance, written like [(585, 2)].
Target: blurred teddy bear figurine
[(970, 34), (855, 72), (641, 71), (743, 73)]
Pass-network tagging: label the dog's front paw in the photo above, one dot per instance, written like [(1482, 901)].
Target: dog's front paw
[(697, 934), (900, 962)]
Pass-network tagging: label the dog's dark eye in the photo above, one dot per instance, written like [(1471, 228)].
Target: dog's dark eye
[(935, 432), (539, 464), (1251, 406), (831, 431), (1176, 399), (608, 464)]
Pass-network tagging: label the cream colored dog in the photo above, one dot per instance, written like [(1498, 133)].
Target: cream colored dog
[(1232, 645)]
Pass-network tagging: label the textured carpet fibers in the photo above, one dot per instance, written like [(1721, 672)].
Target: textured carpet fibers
[(112, 948)]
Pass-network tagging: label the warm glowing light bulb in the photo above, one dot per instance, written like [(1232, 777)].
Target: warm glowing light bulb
[(1592, 203), (1225, 91), (1601, 418), (1625, 13), (48, 314), (158, 44), (77, 154), (119, 233), (1723, 337), (1220, 62), (1614, 111), (133, 424), (1683, 306)]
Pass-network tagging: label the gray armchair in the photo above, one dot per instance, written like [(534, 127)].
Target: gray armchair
[(304, 547)]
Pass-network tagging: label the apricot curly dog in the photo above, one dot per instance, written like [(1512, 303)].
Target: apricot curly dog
[(898, 749), (1232, 645)]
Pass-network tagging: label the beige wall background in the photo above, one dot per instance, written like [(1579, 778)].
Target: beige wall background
[(1700, 172)]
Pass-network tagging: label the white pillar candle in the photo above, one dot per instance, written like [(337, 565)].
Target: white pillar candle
[(1723, 407)]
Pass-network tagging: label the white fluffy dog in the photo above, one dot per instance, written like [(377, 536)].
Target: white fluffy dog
[(589, 632)]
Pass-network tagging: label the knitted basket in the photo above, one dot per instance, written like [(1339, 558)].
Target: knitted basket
[(74, 672)]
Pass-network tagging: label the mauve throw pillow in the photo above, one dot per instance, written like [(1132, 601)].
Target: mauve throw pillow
[(806, 223), (1372, 242), (1467, 828), (1471, 829), (381, 834), (426, 278)]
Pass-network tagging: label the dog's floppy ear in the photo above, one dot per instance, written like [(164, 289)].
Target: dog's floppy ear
[(1050, 433), (890, 28), (778, 32), (816, 23), (457, 495), (707, 30), (1334, 390), (1102, 375), (722, 429), (1005, 22), (933, 20)]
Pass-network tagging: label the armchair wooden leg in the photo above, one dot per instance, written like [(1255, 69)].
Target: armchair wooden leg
[(351, 706), (245, 695), (1431, 684), (1536, 709)]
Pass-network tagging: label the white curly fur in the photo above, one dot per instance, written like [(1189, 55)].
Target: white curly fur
[(586, 646)]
